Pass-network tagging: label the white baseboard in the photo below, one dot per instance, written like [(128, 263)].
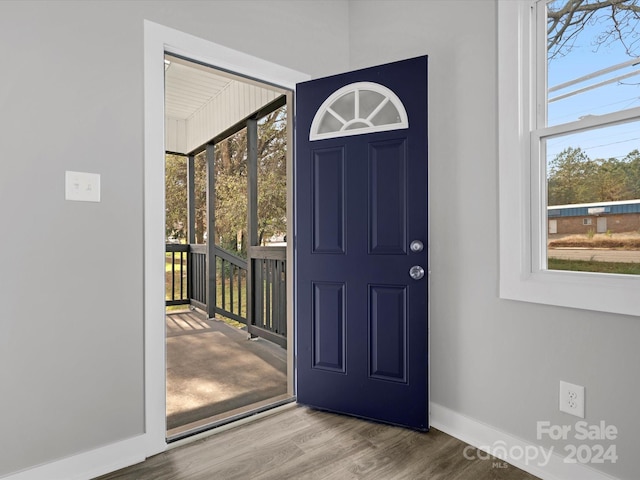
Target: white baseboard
[(107, 459), (87, 465), (486, 437), (100, 461)]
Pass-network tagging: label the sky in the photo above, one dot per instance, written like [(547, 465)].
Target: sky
[(585, 58)]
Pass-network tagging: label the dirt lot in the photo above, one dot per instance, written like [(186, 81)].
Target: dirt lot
[(615, 241)]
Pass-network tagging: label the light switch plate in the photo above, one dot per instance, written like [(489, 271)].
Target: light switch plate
[(82, 186)]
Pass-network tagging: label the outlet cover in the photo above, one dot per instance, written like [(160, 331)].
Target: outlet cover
[(572, 399)]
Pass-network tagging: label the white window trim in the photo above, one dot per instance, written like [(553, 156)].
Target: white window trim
[(520, 210), (353, 87)]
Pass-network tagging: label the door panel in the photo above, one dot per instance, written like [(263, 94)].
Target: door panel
[(327, 187), (387, 198), (360, 201), (388, 332), (328, 337)]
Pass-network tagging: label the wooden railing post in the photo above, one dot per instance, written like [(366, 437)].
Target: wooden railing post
[(211, 231), (191, 199), (252, 219)]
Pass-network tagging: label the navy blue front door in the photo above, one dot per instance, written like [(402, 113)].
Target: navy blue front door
[(360, 202)]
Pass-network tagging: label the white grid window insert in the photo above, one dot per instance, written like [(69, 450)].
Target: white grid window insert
[(358, 108), (528, 127)]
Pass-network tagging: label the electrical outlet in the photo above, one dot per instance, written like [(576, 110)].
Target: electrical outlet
[(572, 399)]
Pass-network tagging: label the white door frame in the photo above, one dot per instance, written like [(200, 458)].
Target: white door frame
[(159, 39)]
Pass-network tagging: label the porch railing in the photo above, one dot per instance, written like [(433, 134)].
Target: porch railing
[(231, 286), (187, 285), (197, 276), (269, 293), (177, 285)]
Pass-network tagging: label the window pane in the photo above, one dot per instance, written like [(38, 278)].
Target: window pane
[(387, 115), (369, 100), (345, 106), (356, 125), (593, 198), (329, 123), (593, 64)]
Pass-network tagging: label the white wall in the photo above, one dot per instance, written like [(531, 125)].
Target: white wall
[(71, 285), (498, 362), (71, 292)]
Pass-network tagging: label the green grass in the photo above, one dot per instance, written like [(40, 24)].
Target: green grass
[(593, 266), (173, 308), (167, 262)]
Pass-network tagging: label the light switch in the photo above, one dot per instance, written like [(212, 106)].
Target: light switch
[(82, 187)]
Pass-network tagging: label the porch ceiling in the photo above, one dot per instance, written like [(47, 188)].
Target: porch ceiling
[(202, 102), (188, 89)]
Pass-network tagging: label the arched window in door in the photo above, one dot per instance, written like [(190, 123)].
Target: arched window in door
[(358, 108)]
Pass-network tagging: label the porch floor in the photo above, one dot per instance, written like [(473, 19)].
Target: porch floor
[(213, 370)]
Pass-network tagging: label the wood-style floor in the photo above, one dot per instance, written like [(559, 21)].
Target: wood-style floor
[(300, 443)]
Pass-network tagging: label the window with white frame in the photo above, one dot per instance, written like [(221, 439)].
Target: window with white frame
[(569, 126), (358, 108)]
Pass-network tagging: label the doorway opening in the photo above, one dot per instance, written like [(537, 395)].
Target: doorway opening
[(226, 160)]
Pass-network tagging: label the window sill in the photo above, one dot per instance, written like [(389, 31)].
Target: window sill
[(587, 291)]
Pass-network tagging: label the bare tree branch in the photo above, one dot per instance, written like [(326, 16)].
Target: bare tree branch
[(567, 19)]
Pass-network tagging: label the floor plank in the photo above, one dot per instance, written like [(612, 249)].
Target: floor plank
[(302, 443)]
